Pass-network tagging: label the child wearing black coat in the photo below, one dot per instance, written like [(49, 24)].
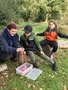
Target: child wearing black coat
[(50, 37)]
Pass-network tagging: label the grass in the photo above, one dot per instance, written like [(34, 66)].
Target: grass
[(48, 80), (36, 26)]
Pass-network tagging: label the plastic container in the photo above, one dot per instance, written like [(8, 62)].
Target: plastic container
[(27, 70), (24, 69), (34, 73)]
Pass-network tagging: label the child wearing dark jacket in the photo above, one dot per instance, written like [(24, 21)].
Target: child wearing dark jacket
[(10, 47), (50, 37), (29, 41)]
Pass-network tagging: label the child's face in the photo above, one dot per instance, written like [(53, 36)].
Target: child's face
[(51, 25), (27, 34), (12, 31)]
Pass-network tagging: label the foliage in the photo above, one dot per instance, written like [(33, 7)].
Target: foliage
[(35, 10), (7, 11), (39, 10)]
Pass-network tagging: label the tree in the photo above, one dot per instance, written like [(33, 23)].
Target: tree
[(57, 7), (39, 10), (35, 10), (23, 9), (7, 11)]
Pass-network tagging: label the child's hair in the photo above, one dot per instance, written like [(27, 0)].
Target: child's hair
[(54, 22), (12, 25), (55, 29), (28, 28)]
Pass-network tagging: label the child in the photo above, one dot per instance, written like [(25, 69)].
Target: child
[(50, 36), (29, 41), (9, 44)]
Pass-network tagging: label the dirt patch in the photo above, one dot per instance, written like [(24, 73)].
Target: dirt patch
[(3, 78)]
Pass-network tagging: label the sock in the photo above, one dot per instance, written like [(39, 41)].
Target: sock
[(52, 55)]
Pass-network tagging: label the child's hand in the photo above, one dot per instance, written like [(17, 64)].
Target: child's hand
[(24, 52), (20, 50), (42, 52)]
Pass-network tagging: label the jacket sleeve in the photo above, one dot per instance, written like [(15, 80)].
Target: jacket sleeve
[(41, 34), (37, 44), (4, 47), (62, 35)]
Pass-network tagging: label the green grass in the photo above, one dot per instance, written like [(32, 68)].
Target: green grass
[(37, 27), (48, 80)]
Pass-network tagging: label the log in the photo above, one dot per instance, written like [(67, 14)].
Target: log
[(63, 44)]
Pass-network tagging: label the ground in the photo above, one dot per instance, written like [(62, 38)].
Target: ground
[(48, 80)]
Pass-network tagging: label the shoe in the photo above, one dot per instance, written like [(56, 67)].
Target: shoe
[(35, 65), (54, 66), (3, 67)]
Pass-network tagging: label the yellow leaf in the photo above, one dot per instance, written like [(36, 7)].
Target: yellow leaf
[(65, 88), (40, 89)]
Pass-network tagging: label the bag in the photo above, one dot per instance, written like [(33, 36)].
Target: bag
[(46, 50), (22, 58)]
